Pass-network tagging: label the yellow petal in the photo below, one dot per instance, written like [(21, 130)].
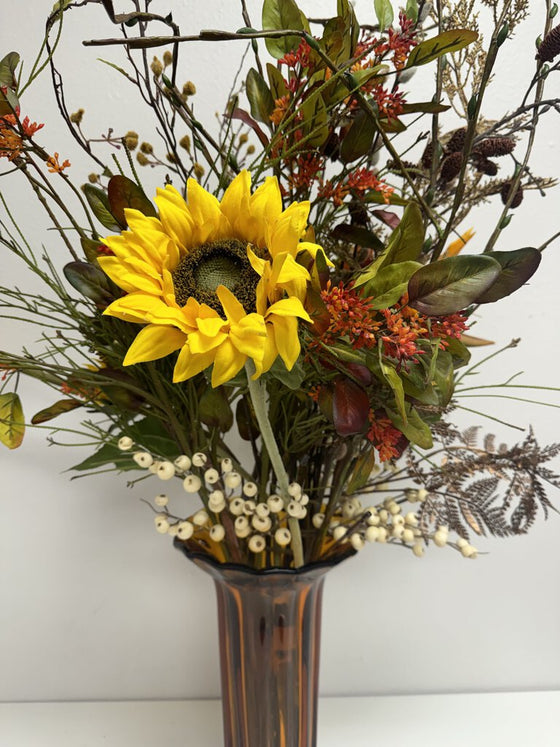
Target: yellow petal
[(289, 228), (127, 279), (209, 223), (289, 307), (227, 362), (257, 263), (308, 246), (286, 338), (249, 336), (188, 365), (175, 216), (211, 326), (232, 308), (235, 205), (455, 247), (265, 208), (199, 343), (153, 342)]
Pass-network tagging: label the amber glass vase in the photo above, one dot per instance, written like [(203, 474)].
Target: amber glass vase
[(269, 630)]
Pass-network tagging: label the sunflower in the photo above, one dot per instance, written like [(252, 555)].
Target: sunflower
[(218, 281)]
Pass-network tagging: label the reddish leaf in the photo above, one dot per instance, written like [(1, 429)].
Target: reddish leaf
[(350, 407)]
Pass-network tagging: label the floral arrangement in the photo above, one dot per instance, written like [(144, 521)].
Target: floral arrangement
[(298, 281)]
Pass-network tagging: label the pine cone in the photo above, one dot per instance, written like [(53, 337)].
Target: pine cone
[(427, 156), (484, 165), (456, 142), (550, 45), (451, 167), (518, 197), (495, 146)]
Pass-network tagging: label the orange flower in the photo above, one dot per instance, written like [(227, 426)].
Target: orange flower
[(54, 166)]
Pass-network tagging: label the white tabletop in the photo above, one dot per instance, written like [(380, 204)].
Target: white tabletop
[(525, 719)]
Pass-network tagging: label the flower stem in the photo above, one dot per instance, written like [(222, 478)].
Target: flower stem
[(257, 392)]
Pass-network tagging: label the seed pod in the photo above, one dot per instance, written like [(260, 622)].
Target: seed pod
[(451, 167), (456, 142), (518, 197), (550, 45), (495, 146)]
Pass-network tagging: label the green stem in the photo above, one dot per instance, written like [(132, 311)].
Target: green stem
[(257, 392)]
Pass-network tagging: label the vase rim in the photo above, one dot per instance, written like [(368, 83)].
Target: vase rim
[(202, 557)]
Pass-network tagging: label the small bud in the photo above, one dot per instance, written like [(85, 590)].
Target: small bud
[(371, 534), (182, 462), (275, 503), (339, 532), (232, 480), (283, 537), (166, 470), (147, 148), (143, 459), (243, 138), (262, 510), (216, 501), (226, 465), (250, 489), (217, 533), (318, 520), (93, 178), (200, 518), (256, 543), (76, 117), (418, 549), (142, 160), (171, 157), (185, 142), (162, 525), (261, 523), (242, 528), (167, 58), (198, 170), (357, 541), (211, 476), (156, 67), (199, 459), (236, 506), (294, 489), (125, 443), (131, 140), (185, 530), (161, 500), (250, 149), (192, 483), (189, 89), (249, 507)]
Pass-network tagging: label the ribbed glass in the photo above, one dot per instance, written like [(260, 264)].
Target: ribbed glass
[(269, 629)]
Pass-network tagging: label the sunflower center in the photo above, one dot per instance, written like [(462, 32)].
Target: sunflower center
[(217, 263)]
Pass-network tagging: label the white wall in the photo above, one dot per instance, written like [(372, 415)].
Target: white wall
[(95, 604)]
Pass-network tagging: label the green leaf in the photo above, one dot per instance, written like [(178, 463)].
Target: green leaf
[(451, 284), (394, 380), (315, 121), (214, 409), (412, 10), (90, 281), (359, 138), (460, 353), (390, 284), (53, 411), (99, 204), (447, 41), (335, 44), (260, 97), (405, 244), (151, 433), (278, 15), (8, 65), (107, 454), (351, 29), (276, 82), (292, 379), (384, 13), (362, 470), (12, 422), (517, 267), (90, 248), (356, 235), (123, 193), (8, 101), (415, 429), (426, 107)]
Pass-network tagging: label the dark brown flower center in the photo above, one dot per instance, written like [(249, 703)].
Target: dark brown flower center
[(217, 263)]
